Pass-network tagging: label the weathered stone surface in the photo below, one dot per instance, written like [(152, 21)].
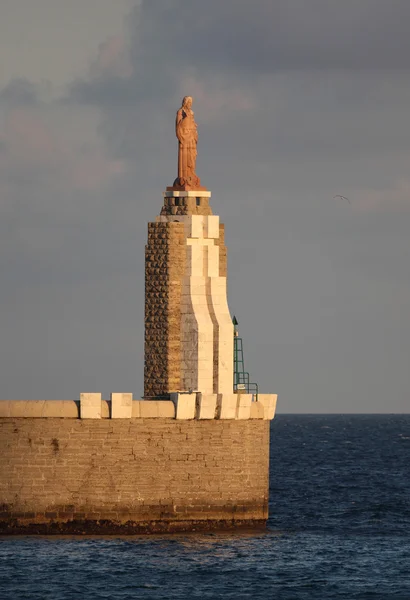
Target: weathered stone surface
[(185, 405), (149, 409), (243, 410), (64, 409), (90, 405), (205, 406), (105, 409), (128, 476), (269, 404), (186, 206), (222, 251), (165, 259), (227, 406), (223, 333), (121, 405), (90, 526), (257, 411)]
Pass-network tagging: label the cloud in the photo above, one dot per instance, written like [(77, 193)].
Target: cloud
[(286, 76), (19, 92), (267, 36), (216, 97), (113, 59), (394, 198), (34, 145), (54, 172)]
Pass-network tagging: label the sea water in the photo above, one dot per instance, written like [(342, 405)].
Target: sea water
[(339, 527)]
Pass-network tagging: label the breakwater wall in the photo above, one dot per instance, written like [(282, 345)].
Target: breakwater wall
[(148, 471)]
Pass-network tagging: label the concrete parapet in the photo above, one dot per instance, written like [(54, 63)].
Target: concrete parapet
[(64, 409), (121, 405), (185, 405), (105, 409), (90, 405), (205, 406), (136, 411), (150, 409), (257, 411), (269, 405), (226, 406), (243, 408), (182, 406)]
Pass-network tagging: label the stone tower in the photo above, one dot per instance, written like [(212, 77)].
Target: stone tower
[(188, 327)]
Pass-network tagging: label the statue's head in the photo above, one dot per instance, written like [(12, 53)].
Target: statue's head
[(187, 102)]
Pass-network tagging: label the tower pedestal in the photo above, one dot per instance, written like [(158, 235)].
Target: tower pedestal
[(188, 327)]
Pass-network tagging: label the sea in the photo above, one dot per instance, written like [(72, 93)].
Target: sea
[(339, 527)]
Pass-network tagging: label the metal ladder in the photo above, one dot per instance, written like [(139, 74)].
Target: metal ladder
[(241, 378)]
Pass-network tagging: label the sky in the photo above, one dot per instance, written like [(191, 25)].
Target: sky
[(296, 101)]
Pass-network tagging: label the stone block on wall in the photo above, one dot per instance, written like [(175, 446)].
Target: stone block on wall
[(105, 409), (136, 411), (227, 406), (195, 260), (166, 409), (64, 409), (269, 404), (121, 405), (212, 259), (10, 408), (196, 226), (153, 409), (257, 411), (90, 405), (148, 409), (205, 406), (185, 405), (212, 226), (244, 403)]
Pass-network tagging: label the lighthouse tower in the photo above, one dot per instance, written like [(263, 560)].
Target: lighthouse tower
[(189, 334), (188, 327)]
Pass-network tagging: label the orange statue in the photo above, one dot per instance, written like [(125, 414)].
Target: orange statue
[(187, 134)]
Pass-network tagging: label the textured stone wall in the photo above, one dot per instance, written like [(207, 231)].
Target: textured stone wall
[(223, 270), (186, 206), (131, 475), (165, 259)]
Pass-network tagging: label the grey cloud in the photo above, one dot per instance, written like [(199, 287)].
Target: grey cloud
[(20, 92), (242, 39), (105, 92), (264, 36), (299, 60)]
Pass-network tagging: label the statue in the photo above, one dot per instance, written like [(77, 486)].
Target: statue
[(187, 134)]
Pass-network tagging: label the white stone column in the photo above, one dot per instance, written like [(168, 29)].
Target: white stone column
[(196, 322), (223, 335)]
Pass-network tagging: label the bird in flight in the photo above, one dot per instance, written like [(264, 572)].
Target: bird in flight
[(342, 197)]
